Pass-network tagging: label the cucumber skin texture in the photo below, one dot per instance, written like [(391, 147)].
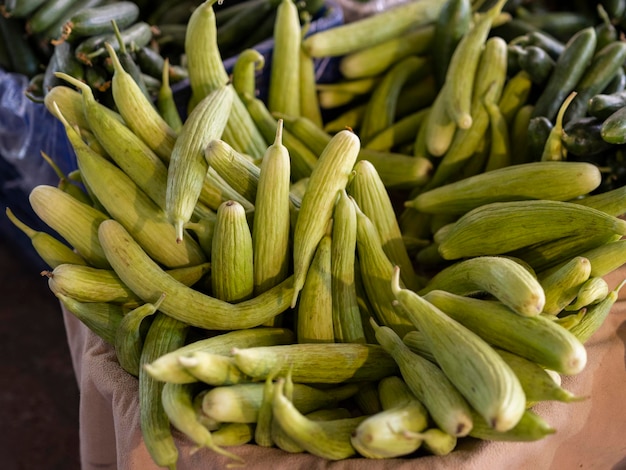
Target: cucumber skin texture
[(613, 128), (97, 20)]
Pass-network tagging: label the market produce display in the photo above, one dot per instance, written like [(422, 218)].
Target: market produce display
[(43, 37), (377, 267)]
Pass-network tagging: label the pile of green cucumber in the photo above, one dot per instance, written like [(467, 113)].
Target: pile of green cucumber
[(43, 37), (589, 61), (391, 79), (378, 267), (381, 283)]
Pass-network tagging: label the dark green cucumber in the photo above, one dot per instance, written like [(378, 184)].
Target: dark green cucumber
[(139, 34), (614, 8), (57, 30), (232, 33), (512, 29), (605, 65), (552, 46), (618, 83), (62, 60), (536, 62), (97, 20), (34, 89), (22, 56), (49, 14), (170, 34), (224, 12), (582, 137), (613, 128), (158, 14), (538, 132), (151, 62), (514, 50), (263, 30), (98, 78), (561, 24), (175, 11), (22, 8), (603, 105), (606, 31), (568, 70)]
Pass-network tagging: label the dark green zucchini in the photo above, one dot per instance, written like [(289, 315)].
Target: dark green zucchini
[(568, 69), (139, 34), (618, 83), (22, 8), (537, 63), (552, 46), (97, 20), (605, 65), (581, 137), (603, 105), (613, 128), (22, 56), (539, 128), (62, 60)]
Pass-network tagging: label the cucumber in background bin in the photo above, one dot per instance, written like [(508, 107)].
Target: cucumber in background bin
[(27, 128)]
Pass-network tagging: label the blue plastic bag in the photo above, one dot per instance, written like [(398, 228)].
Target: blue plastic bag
[(26, 129)]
